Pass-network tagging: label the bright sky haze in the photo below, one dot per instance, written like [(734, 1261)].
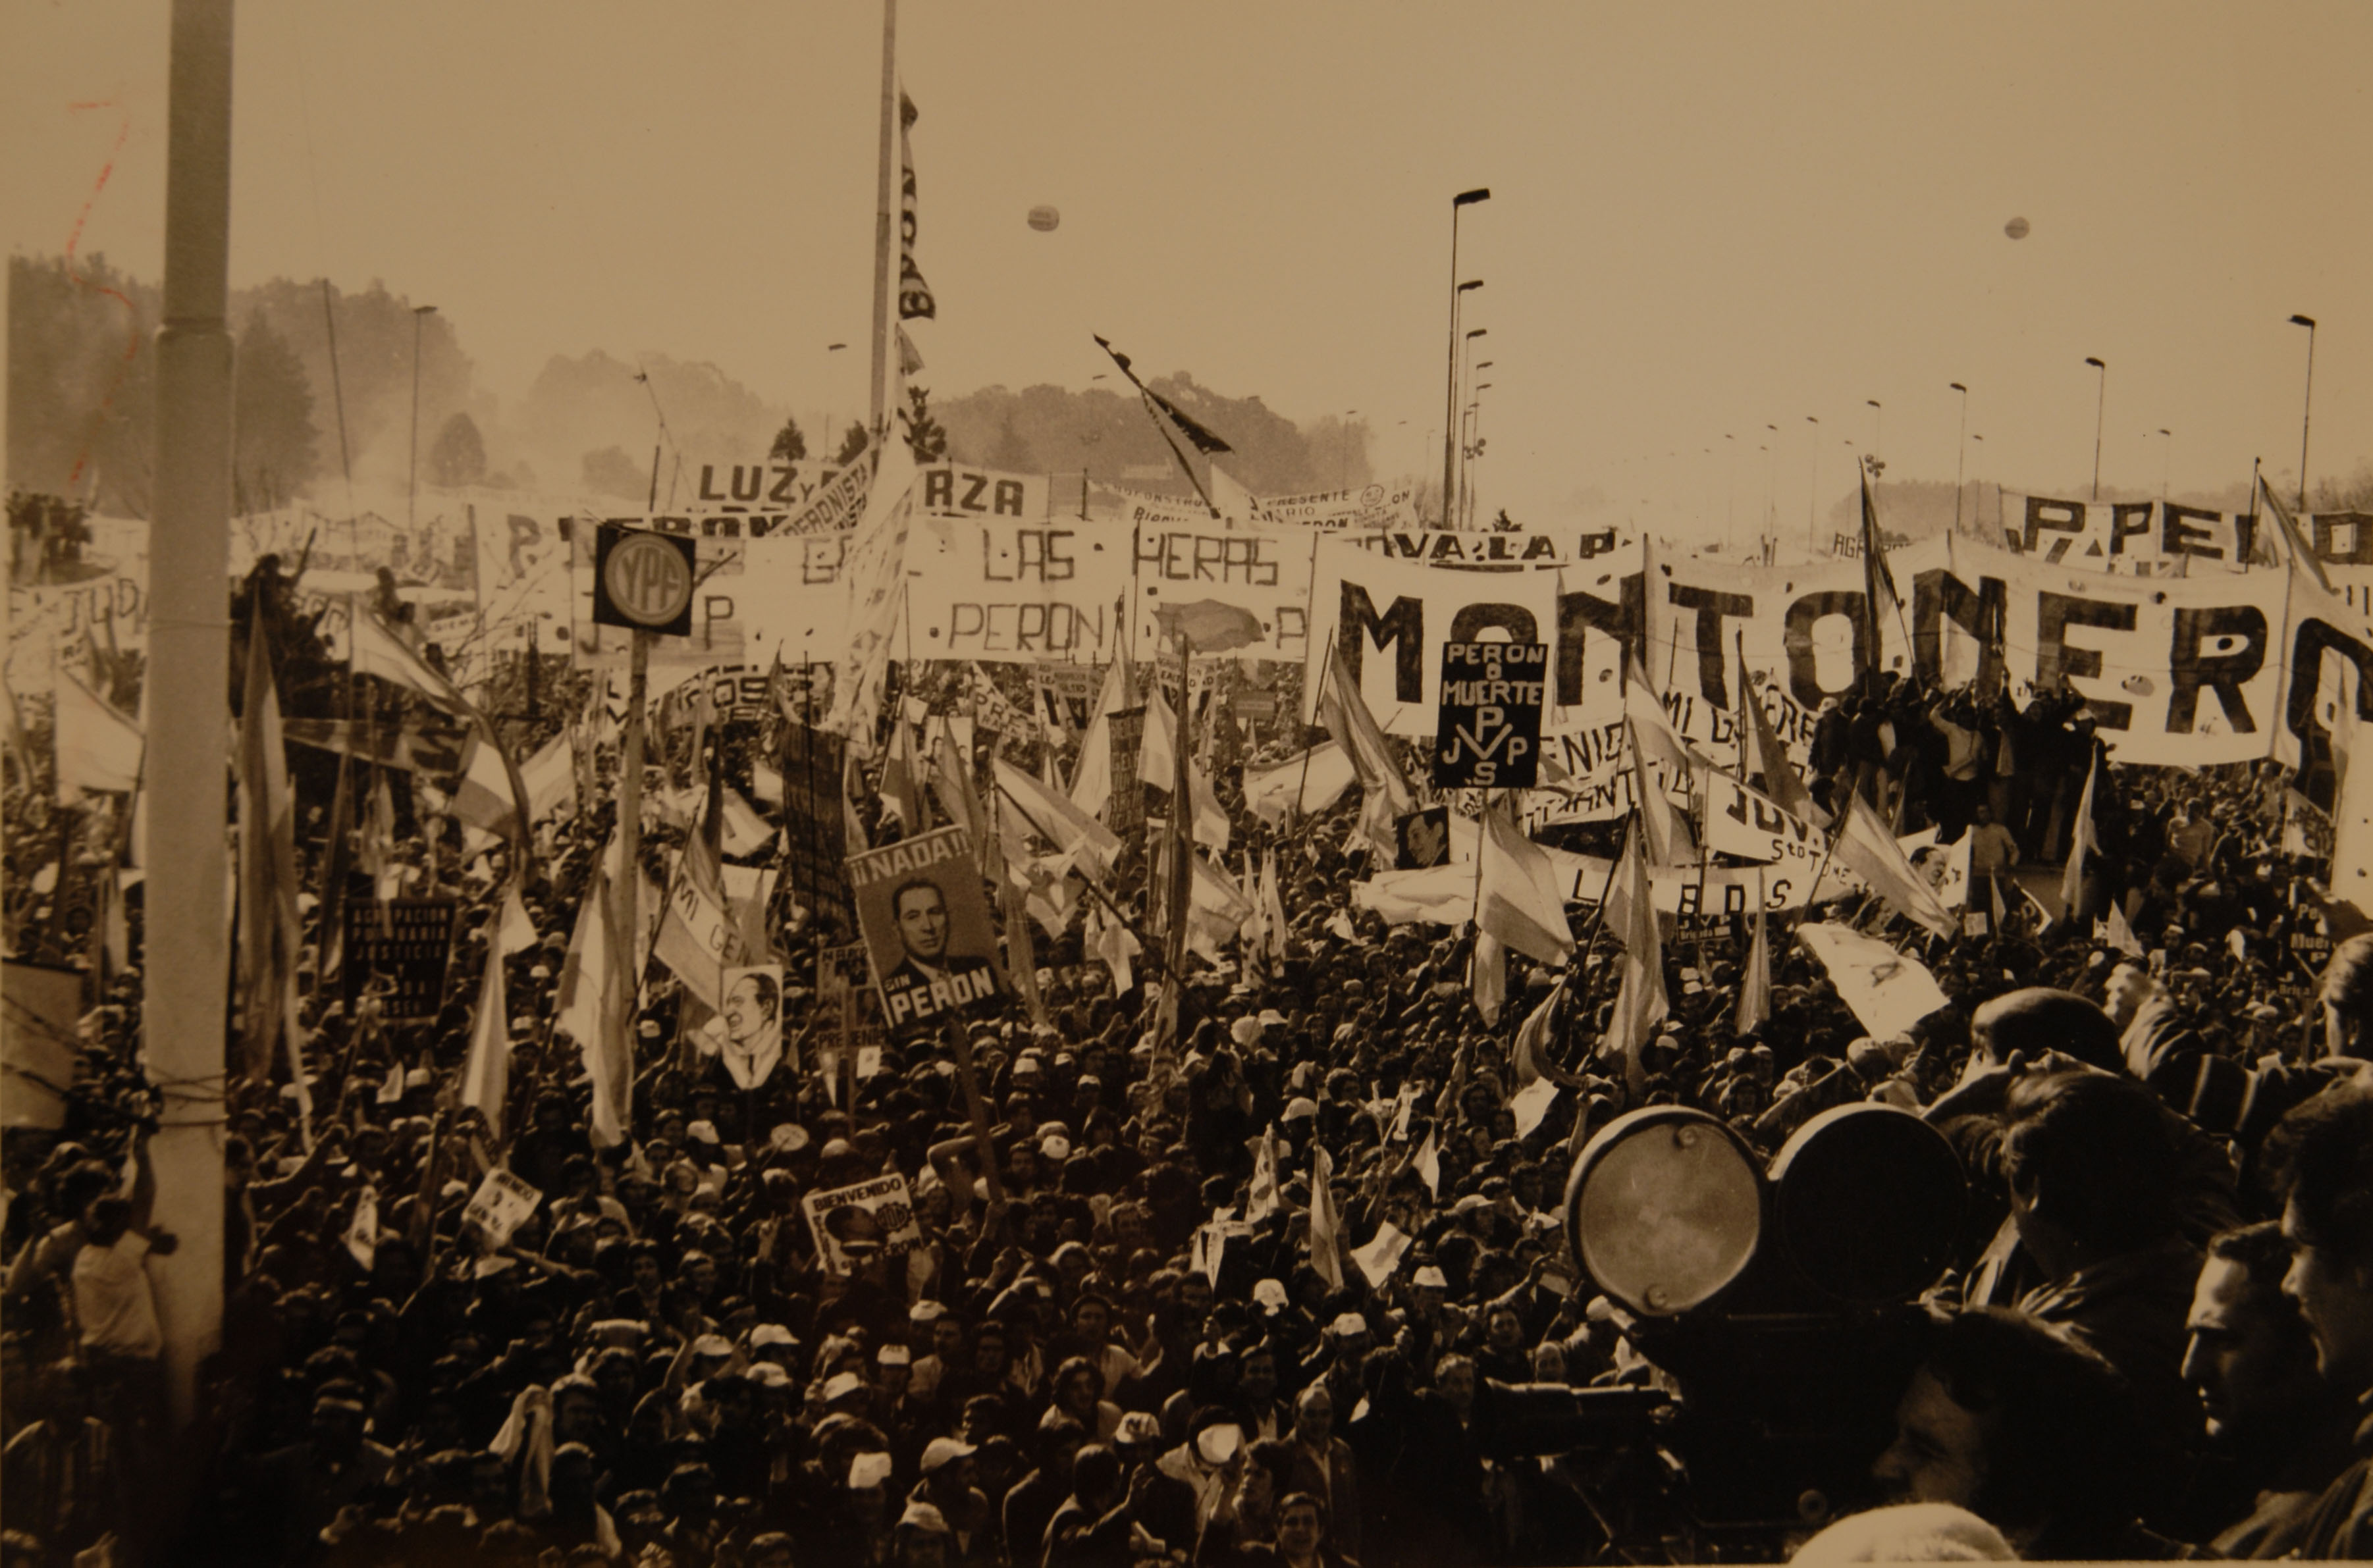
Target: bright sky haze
[(1705, 219)]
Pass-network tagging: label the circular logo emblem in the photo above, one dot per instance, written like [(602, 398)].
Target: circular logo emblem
[(647, 579)]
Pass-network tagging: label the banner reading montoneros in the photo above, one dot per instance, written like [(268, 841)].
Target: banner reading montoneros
[(927, 927)]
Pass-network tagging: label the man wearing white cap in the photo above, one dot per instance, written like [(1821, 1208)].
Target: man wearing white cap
[(947, 1486)]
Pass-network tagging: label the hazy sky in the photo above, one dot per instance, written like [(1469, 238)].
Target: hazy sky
[(1704, 218)]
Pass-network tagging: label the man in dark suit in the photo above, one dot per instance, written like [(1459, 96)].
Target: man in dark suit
[(930, 979)]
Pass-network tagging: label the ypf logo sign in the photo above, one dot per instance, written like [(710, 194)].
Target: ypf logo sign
[(643, 581)]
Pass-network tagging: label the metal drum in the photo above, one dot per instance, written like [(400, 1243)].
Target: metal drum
[(1664, 1209), (1866, 1204)]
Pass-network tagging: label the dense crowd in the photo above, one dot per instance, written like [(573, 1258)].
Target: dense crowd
[(2151, 1334)]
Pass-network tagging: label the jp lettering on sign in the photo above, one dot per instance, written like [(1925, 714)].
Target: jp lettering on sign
[(927, 927), (399, 947), (501, 1202), (863, 1224), (1490, 735)]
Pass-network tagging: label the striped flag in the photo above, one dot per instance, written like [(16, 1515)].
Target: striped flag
[(1325, 1225), (98, 745), (486, 1070), (268, 927)]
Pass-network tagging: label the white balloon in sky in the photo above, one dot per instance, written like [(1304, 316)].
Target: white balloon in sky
[(2015, 228), (1044, 219)]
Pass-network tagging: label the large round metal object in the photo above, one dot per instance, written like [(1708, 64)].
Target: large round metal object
[(1866, 1203), (1664, 1208)]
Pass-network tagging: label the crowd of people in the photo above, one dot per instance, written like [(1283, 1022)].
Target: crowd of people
[(2151, 1335)]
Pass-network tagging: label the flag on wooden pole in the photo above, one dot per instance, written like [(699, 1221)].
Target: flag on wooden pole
[(1755, 982), (1517, 898), (486, 1070), (1325, 1226), (98, 745), (269, 931), (2082, 837), (1640, 1001)]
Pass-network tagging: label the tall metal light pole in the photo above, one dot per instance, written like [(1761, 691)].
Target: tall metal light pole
[(187, 966), (1730, 492), (1878, 426), (1459, 203), (2167, 462), (412, 496), (1474, 439), (1961, 453), (2308, 407), (1813, 499), (1465, 350), (1770, 531), (2100, 403)]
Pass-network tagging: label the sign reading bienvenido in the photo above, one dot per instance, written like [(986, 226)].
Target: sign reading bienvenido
[(643, 581), (1488, 735), (927, 926), (403, 944)]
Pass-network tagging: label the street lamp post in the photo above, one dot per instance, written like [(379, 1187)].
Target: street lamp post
[(412, 486), (1813, 500), (2307, 406), (1878, 426), (2167, 462), (1466, 352), (2100, 403), (1459, 203), (1961, 453)]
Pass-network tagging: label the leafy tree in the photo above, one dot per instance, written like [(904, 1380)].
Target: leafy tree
[(1011, 454), (613, 472), (459, 453), (789, 445), (272, 416), (851, 445), (923, 433), (82, 379)]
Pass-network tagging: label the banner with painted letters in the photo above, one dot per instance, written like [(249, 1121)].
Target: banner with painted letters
[(1012, 591), (1387, 503), (2183, 671), (2141, 538), (1263, 572)]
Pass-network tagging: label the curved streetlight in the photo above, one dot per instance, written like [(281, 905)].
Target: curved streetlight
[(2307, 406), (2101, 402), (1961, 453), (1877, 425), (412, 477), (2167, 462), (1813, 499)]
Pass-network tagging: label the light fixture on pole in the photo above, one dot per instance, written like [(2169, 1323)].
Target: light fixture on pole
[(412, 484), (1813, 497), (2306, 407), (1878, 426), (1459, 203), (1466, 352), (2101, 402), (1961, 453), (2167, 462)]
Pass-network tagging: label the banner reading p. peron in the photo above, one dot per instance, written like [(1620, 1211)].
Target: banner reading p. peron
[(927, 927)]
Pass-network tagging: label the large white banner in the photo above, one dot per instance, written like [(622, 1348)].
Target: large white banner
[(1015, 592), (2185, 671), (1264, 574), (2141, 538)]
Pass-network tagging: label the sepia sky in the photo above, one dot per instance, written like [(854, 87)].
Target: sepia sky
[(1705, 218)]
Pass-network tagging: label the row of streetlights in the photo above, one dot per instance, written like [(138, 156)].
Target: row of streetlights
[(1460, 422)]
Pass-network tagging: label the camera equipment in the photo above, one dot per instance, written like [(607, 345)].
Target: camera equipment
[(1780, 1304)]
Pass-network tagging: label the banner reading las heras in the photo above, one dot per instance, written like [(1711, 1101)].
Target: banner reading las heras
[(1014, 591)]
